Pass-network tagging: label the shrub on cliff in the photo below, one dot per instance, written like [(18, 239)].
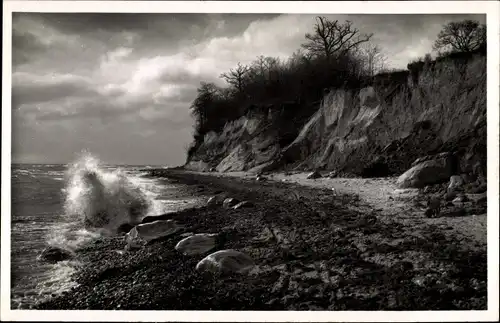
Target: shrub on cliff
[(331, 57)]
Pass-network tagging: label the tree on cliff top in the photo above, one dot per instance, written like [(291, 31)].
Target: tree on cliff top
[(331, 38), (236, 77), (461, 36)]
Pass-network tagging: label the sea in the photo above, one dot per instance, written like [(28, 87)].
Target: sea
[(68, 205)]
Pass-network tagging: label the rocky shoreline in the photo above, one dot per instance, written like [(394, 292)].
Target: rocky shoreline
[(315, 249)]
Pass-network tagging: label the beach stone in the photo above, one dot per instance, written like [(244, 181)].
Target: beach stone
[(226, 261), (230, 202), (333, 174), (460, 199), (243, 204), (196, 244), (214, 200), (146, 232), (261, 178), (427, 172), (55, 254), (314, 175)]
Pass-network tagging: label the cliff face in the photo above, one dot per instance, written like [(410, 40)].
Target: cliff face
[(373, 131), (248, 142)]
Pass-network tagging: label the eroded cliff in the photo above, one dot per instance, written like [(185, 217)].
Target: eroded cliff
[(376, 130)]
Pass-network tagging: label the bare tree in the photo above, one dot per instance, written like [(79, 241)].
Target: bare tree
[(374, 59), (462, 36), (331, 38), (259, 67), (236, 77)]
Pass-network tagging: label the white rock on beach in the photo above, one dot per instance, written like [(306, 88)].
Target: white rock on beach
[(226, 261), (314, 175), (196, 244), (242, 205), (214, 200), (143, 233)]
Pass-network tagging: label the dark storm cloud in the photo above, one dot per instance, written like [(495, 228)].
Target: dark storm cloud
[(25, 45), (27, 89)]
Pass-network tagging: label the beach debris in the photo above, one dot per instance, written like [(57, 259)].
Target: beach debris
[(143, 233), (243, 204), (230, 202), (55, 254), (314, 175), (196, 244), (226, 261)]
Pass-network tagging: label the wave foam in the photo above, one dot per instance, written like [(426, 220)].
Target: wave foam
[(103, 198)]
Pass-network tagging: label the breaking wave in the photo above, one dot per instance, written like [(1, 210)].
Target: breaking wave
[(103, 199)]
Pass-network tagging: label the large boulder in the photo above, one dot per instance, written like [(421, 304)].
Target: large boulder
[(196, 244), (226, 261), (428, 171), (55, 254), (146, 232)]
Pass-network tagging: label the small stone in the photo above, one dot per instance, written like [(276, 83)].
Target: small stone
[(242, 205), (459, 200), (230, 202), (214, 200), (333, 174), (314, 175)]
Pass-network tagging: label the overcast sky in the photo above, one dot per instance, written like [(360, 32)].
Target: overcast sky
[(120, 85)]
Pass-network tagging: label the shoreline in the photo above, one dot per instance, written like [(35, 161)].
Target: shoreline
[(330, 252)]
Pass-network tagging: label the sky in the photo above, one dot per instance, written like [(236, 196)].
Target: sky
[(120, 85)]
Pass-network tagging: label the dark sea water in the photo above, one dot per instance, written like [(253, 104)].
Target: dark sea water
[(49, 204)]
